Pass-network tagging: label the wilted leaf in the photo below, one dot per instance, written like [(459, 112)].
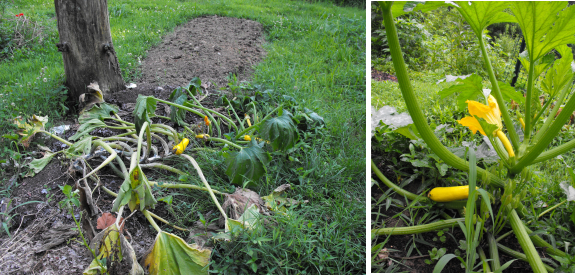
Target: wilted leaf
[(135, 191), (28, 130), (100, 111), (108, 219), (277, 200), (87, 127), (79, 148), (247, 164), (113, 246), (171, 255), (250, 219), (145, 105), (38, 164), (177, 115)]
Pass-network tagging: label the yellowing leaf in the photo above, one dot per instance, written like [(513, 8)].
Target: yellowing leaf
[(172, 255), (28, 130)]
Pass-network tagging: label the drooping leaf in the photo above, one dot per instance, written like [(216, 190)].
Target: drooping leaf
[(145, 106), (38, 165), (249, 164), (194, 86), (468, 88), (317, 119), (479, 14), (172, 255), (177, 115), (545, 25), (250, 219), (28, 130), (79, 148), (136, 192), (114, 247), (88, 127), (92, 97), (277, 201), (99, 111), (280, 131)]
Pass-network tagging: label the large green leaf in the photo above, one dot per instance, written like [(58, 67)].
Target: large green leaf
[(98, 111), (145, 106), (467, 88), (38, 164), (280, 131), (136, 192), (178, 114), (545, 25), (250, 219), (88, 127), (249, 164), (479, 14), (509, 93), (172, 255), (560, 74)]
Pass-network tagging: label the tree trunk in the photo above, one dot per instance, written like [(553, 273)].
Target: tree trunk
[(86, 46)]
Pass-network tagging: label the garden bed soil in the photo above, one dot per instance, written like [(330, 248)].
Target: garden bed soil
[(415, 263), (208, 47), (382, 76)]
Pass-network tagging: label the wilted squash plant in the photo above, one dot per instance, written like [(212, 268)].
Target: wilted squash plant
[(547, 27), (145, 144)]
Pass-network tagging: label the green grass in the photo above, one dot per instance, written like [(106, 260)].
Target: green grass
[(315, 53)]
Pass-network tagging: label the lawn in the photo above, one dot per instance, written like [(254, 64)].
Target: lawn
[(315, 55)]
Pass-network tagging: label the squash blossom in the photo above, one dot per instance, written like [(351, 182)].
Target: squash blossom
[(248, 119), (492, 115), (247, 138), (207, 121)]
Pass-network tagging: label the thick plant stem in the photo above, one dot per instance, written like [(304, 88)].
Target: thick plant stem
[(497, 94), (163, 166), (225, 142), (166, 222), (56, 137), (552, 114), (562, 149), (151, 220), (199, 170), (112, 156), (415, 112), (184, 186), (259, 123), (525, 242), (434, 226), (550, 134), (395, 188), (520, 256), (528, 116)]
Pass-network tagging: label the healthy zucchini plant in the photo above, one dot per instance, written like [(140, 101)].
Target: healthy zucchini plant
[(144, 145), (547, 29)]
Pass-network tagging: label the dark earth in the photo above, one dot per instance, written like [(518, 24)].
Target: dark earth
[(415, 262), (209, 47)]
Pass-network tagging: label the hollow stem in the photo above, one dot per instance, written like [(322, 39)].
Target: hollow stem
[(395, 188), (434, 226), (56, 137), (151, 220)]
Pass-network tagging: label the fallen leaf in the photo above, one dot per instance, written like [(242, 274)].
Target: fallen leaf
[(108, 219)]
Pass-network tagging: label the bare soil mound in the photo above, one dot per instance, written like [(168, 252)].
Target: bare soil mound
[(209, 47)]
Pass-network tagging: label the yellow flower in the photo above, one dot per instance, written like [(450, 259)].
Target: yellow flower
[(206, 120), (490, 113), (247, 138)]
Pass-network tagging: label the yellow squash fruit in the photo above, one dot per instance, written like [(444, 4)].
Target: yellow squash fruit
[(179, 149), (247, 138), (447, 194), (202, 136)]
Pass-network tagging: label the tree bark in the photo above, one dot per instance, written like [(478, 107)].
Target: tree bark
[(86, 46)]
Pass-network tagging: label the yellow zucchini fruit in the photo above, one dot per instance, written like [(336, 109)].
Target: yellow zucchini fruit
[(179, 149), (447, 194), (202, 136)]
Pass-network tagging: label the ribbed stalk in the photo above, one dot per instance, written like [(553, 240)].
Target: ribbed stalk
[(483, 258), (550, 134), (525, 242), (552, 114), (529, 93), (395, 188), (413, 107), (540, 242), (562, 149), (434, 226), (519, 255), (496, 92)]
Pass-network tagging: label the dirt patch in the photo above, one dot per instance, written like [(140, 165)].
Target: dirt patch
[(210, 48), (382, 76)]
